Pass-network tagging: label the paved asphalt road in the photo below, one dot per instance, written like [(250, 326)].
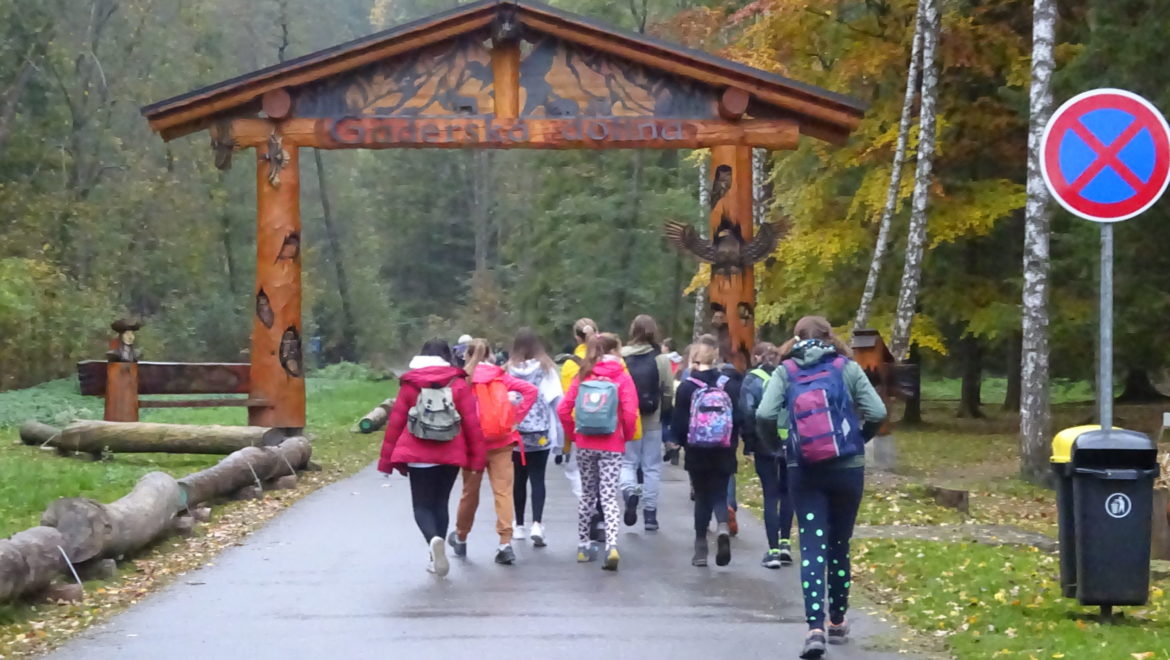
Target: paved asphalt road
[(341, 575)]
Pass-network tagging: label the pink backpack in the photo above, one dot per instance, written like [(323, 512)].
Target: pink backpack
[(711, 415)]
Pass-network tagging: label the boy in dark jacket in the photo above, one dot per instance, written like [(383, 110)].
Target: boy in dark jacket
[(768, 453)]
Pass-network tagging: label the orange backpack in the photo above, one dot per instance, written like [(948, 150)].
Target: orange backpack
[(497, 417)]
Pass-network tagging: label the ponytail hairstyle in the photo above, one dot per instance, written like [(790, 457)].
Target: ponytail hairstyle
[(815, 327), (527, 346), (479, 350), (598, 347), (584, 329), (644, 330)]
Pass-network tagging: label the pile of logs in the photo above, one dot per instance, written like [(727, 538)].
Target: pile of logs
[(85, 535), (95, 437)]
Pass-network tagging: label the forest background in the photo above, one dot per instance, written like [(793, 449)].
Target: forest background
[(100, 219)]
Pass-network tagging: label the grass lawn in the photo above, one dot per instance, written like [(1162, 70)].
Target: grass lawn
[(974, 601), (31, 478)]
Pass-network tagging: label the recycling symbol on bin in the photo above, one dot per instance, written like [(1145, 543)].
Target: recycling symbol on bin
[(1118, 505)]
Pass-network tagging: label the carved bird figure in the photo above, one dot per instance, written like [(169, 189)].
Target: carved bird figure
[(727, 252), (720, 184)]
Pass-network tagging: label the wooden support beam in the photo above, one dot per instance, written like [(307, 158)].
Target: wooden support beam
[(492, 133), (735, 294), (506, 79), (171, 377), (277, 372)]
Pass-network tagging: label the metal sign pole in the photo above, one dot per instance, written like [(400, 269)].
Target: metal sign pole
[(1105, 361)]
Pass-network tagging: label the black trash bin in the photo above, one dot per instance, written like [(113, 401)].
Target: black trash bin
[(1105, 497)]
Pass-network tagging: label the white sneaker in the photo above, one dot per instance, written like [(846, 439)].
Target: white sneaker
[(439, 564), (537, 535), (518, 532)]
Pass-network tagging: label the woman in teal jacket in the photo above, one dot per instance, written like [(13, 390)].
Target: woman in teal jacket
[(827, 494)]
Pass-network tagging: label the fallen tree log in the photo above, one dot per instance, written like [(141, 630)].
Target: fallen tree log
[(246, 467), (376, 418), (94, 530), (95, 437), (29, 561), (36, 433)]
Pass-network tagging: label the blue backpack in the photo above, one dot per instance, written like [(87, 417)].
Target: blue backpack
[(596, 407), (821, 420)]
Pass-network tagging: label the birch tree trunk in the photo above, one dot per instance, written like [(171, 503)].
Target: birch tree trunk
[(1035, 416), (916, 238), (704, 210), (883, 237), (760, 192)]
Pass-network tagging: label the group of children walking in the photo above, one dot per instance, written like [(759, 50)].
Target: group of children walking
[(611, 412)]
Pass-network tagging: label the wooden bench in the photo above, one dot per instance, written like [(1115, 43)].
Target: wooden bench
[(164, 378)]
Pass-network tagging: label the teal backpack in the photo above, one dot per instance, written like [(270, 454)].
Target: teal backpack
[(597, 407)]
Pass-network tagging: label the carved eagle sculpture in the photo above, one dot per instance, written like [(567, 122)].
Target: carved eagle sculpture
[(727, 252)]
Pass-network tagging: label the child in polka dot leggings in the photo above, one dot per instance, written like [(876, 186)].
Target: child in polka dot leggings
[(827, 499)]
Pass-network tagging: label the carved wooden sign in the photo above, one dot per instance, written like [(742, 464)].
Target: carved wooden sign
[(577, 132)]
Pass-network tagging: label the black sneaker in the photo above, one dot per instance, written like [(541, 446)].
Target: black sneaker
[(839, 632), (723, 546), (631, 518), (785, 553), (814, 646), (650, 519), (506, 556), (457, 546)]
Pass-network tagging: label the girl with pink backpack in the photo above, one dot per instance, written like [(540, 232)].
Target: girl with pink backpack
[(706, 422)]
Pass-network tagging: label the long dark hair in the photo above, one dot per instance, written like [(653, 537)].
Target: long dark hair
[(644, 330), (816, 327), (438, 348), (598, 347), (526, 345)]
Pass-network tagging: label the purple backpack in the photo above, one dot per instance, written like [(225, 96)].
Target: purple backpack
[(711, 416), (821, 418)]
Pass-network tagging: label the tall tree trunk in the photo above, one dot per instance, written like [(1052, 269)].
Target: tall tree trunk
[(1011, 399), (10, 99), (1035, 414), (626, 237), (225, 235), (912, 414), (916, 238), (970, 397), (704, 210), (480, 213), (1139, 388), (347, 347), (883, 237)]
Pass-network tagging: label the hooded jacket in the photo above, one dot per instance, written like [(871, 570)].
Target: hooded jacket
[(653, 421), (751, 392), (399, 447), (703, 459), (613, 370), (772, 415), (550, 393), (486, 373)]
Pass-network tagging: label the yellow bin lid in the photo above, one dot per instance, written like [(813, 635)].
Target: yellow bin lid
[(1062, 444)]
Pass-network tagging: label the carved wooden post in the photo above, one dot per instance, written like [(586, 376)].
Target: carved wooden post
[(277, 373), (735, 295), (122, 374)]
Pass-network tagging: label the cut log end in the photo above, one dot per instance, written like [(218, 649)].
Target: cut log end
[(97, 569), (248, 493), (287, 482), (64, 592), (185, 525), (36, 433), (201, 514)]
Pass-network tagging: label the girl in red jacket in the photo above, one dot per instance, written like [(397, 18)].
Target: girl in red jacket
[(451, 440), (599, 455), (495, 391)]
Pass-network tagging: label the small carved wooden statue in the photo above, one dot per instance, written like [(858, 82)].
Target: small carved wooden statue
[(123, 349)]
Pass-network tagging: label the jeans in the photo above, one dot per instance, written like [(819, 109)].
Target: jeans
[(647, 455), (731, 501), (499, 469), (710, 499), (773, 471), (826, 509), (430, 497), (534, 473)]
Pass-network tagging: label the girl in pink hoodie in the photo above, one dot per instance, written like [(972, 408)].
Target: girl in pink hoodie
[(600, 455), (485, 375)]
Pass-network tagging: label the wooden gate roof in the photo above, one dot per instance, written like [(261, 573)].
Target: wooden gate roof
[(820, 113)]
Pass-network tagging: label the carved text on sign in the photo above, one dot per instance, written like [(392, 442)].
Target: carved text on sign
[(409, 131)]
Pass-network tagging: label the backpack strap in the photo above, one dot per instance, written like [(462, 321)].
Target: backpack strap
[(721, 382), (697, 382), (791, 368), (761, 374), (839, 362)]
